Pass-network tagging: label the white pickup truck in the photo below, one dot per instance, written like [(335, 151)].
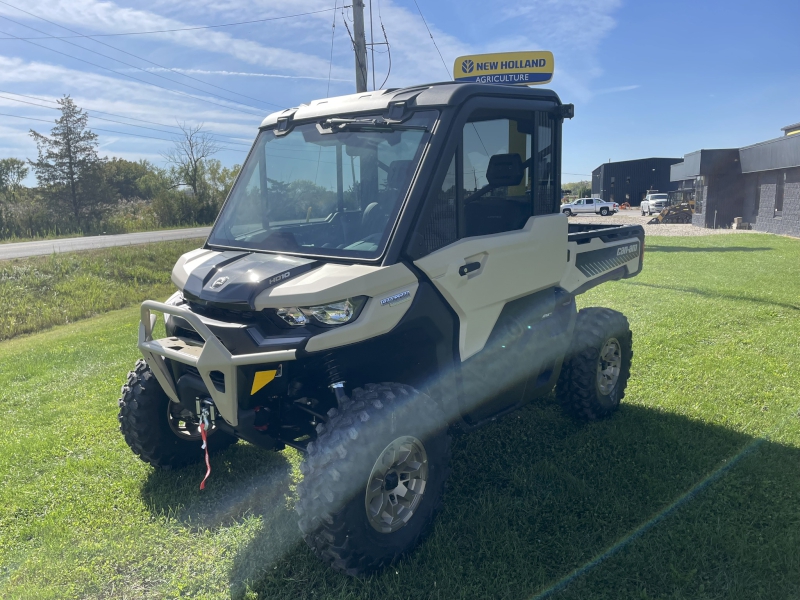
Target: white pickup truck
[(653, 203), (590, 205)]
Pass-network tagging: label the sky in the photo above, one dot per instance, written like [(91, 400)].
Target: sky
[(647, 77)]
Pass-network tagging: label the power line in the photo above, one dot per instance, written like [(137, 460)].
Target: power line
[(132, 77), (140, 58), (314, 12), (388, 48), (330, 64), (133, 67), (433, 40), (93, 111), (119, 122), (138, 135)]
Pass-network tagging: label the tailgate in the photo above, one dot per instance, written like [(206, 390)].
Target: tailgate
[(599, 253)]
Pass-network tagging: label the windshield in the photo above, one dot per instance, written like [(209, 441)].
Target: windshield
[(658, 197), (332, 191)]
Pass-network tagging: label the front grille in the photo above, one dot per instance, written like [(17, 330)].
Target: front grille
[(224, 314)]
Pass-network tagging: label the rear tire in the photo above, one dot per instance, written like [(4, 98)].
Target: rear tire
[(349, 516), (596, 371), (144, 419)]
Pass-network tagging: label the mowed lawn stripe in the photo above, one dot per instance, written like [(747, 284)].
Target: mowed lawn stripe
[(532, 496)]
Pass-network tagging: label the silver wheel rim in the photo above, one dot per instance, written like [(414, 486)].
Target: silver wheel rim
[(608, 366), (186, 430), (396, 484)]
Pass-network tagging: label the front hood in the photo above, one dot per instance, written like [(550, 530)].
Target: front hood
[(235, 277)]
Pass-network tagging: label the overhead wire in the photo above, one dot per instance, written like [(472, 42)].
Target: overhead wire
[(121, 122), (333, 35), (134, 67), (138, 135), (388, 50), (92, 113), (89, 37), (63, 37), (433, 40), (88, 62)]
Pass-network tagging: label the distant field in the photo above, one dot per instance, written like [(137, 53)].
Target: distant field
[(537, 503), (39, 292)]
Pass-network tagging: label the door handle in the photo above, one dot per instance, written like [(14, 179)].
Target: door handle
[(468, 268)]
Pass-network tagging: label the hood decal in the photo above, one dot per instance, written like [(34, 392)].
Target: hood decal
[(236, 278)]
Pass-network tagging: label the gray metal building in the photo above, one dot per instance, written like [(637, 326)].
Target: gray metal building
[(715, 178), (772, 182), (630, 180), (760, 183)]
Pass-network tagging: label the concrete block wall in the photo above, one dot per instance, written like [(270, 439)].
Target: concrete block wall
[(789, 223)]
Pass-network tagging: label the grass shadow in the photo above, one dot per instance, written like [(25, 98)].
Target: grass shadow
[(657, 248), (535, 496), (245, 481), (713, 295)]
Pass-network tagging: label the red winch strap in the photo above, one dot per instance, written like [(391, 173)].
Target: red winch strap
[(205, 447)]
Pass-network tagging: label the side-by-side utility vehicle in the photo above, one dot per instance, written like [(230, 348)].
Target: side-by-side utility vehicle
[(388, 268)]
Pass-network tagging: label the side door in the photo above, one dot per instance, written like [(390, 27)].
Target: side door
[(589, 206), (577, 206), (500, 270)]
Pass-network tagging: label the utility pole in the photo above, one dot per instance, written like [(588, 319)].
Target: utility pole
[(360, 46)]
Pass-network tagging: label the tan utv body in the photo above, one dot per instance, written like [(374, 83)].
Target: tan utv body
[(389, 267)]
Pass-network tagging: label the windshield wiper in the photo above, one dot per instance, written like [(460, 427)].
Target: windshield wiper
[(335, 125)]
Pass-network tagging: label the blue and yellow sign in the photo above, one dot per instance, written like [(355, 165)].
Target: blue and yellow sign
[(506, 68)]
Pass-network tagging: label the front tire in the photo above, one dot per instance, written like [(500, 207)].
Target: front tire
[(374, 478), (604, 212), (567, 212), (596, 371), (155, 431)]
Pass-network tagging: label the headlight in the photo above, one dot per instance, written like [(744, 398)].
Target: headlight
[(335, 313), (293, 316)]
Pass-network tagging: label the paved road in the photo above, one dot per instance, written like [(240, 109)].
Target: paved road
[(22, 249)]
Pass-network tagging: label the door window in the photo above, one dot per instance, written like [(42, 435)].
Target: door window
[(494, 182), (590, 201), (579, 202), (489, 147)]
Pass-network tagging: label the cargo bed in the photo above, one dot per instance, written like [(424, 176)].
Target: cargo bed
[(598, 253)]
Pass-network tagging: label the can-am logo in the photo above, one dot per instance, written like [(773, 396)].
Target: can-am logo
[(280, 277), (219, 283), (623, 250)]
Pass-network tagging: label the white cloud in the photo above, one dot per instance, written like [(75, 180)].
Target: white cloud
[(291, 56), (88, 16)]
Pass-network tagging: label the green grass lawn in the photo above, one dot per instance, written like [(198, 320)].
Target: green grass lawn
[(42, 291), (537, 503)]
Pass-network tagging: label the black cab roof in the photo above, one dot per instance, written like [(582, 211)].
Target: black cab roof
[(448, 93)]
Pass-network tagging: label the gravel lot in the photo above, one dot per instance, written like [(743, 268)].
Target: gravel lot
[(632, 217)]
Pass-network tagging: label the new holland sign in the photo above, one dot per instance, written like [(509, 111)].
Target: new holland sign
[(508, 68)]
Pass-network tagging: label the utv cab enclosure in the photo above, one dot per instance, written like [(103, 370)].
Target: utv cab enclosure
[(388, 267)]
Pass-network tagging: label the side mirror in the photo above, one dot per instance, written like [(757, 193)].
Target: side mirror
[(505, 170)]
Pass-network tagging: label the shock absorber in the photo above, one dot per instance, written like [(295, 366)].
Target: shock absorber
[(334, 377)]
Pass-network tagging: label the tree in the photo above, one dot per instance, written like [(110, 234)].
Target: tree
[(68, 169), (123, 177), (189, 155), (219, 180), (12, 173)]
